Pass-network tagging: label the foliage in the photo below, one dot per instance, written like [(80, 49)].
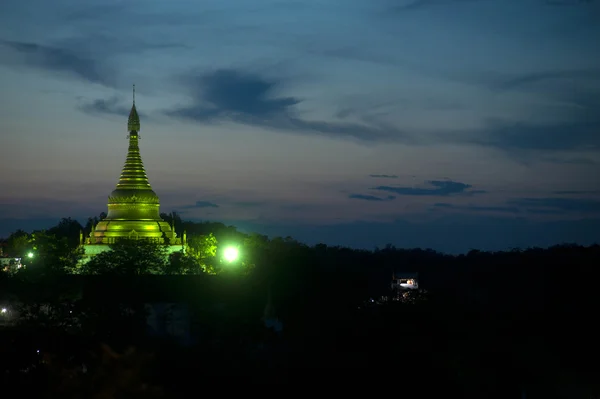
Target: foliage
[(69, 229), (100, 372), (18, 243), (129, 257), (53, 255), (203, 249), (180, 263)]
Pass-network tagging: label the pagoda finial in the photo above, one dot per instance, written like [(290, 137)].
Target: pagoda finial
[(133, 124)]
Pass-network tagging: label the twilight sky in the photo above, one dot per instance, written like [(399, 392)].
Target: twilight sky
[(450, 124)]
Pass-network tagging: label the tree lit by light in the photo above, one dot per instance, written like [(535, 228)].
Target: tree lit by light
[(231, 254)]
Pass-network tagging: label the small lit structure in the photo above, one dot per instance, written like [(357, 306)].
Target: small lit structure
[(405, 286), (10, 264), (405, 281), (6, 318)]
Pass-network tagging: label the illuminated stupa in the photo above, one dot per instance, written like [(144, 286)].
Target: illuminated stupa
[(133, 207)]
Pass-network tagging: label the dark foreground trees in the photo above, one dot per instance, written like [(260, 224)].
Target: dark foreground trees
[(493, 324)]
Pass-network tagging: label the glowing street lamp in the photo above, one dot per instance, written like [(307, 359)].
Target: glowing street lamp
[(231, 254), (30, 255)]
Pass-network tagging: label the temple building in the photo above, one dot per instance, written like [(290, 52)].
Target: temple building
[(133, 207)]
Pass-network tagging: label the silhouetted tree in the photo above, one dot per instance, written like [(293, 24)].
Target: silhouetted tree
[(18, 244), (129, 257), (67, 228), (51, 255), (183, 264), (203, 248)]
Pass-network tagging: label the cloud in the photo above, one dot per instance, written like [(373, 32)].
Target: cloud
[(566, 104), (56, 60), (370, 197), (557, 204), (250, 204), (441, 188), (552, 80), (408, 5), (232, 95), (526, 136), (109, 106), (576, 192), (570, 161), (199, 204), (384, 176), (537, 206), (205, 204), (477, 208)]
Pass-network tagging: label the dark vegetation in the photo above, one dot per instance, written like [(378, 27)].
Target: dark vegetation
[(491, 325)]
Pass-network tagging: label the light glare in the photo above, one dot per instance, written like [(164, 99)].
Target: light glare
[(230, 254)]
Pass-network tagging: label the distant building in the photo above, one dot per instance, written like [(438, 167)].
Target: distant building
[(404, 285), (405, 281)]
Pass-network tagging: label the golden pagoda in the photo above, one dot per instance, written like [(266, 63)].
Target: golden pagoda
[(133, 207)]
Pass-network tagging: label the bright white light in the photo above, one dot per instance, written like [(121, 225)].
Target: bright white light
[(230, 254), (4, 310), (30, 255)]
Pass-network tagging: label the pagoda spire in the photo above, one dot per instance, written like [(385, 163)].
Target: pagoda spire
[(133, 176), (133, 123)]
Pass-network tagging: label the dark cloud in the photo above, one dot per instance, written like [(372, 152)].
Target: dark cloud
[(198, 204), (570, 161), (111, 106), (532, 80), (205, 204), (573, 95), (419, 4), (581, 192), (370, 197), (544, 212), (56, 60), (477, 208), (232, 95), (578, 135), (440, 188), (384, 176), (250, 204), (558, 204)]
